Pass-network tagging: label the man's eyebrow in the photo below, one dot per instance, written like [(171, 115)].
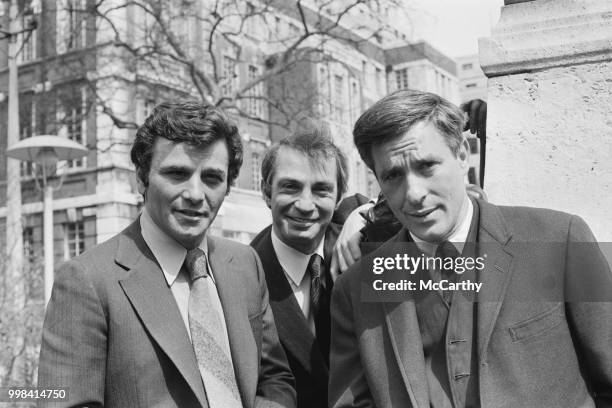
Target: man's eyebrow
[(325, 184), (173, 167), (214, 170), (286, 180)]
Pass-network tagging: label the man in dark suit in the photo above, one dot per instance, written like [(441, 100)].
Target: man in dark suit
[(540, 331), (162, 315), (303, 178)]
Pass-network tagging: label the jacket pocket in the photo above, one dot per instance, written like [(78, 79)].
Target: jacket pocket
[(537, 325)]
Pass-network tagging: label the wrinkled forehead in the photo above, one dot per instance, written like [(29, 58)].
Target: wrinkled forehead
[(288, 156), (318, 166), (409, 146)]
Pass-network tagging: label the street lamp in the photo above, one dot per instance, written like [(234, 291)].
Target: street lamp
[(13, 184), (46, 151)]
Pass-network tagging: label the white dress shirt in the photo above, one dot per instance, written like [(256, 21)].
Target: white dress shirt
[(294, 264), (170, 256)]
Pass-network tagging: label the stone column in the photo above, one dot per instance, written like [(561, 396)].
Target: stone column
[(549, 64)]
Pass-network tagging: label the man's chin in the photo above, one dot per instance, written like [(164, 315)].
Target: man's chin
[(190, 239), (303, 241), (431, 234)]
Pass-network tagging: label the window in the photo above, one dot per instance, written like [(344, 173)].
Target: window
[(401, 78), (323, 92), (254, 103), (355, 101), (473, 142), (27, 122), (364, 73), (256, 171), (71, 115), (74, 239), (472, 176), (28, 245), (467, 66), (149, 105), (32, 262), (380, 80), (233, 235), (27, 41), (338, 98), (229, 76), (71, 25)]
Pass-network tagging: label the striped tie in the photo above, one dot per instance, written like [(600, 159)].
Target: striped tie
[(319, 303), (207, 337), (314, 269)]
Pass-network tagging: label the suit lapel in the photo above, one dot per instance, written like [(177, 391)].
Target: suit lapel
[(403, 327), (497, 272), (149, 294), (291, 325), (243, 349)]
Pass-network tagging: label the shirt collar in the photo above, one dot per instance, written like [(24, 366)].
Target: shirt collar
[(293, 262), (170, 255), (458, 237)]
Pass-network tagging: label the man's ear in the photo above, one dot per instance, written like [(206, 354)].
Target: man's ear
[(266, 193), (142, 188), (463, 154)]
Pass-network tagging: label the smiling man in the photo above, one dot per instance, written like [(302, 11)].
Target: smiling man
[(303, 178), (164, 315), (540, 332)]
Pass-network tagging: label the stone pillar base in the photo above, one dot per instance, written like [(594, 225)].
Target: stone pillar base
[(549, 64)]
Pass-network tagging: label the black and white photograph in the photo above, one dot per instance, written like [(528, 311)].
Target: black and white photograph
[(306, 203)]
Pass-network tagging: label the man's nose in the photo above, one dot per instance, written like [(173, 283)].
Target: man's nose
[(194, 190), (305, 202), (416, 190)]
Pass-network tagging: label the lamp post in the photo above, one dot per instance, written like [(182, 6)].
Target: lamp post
[(13, 183), (46, 151)]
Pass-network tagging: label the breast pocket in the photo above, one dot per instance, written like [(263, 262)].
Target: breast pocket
[(538, 325)]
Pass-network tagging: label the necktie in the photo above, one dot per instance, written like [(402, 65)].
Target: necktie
[(207, 337), (447, 250), (319, 303)]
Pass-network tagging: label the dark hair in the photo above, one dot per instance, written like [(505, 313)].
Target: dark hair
[(186, 121), (396, 113), (316, 143)]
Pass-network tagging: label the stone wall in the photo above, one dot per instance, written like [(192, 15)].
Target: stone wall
[(549, 64)]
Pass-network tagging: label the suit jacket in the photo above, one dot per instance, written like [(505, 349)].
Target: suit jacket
[(114, 336), (539, 343), (308, 363)]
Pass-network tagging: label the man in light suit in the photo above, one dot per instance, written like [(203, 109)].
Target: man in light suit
[(540, 331), (303, 178), (163, 315)]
